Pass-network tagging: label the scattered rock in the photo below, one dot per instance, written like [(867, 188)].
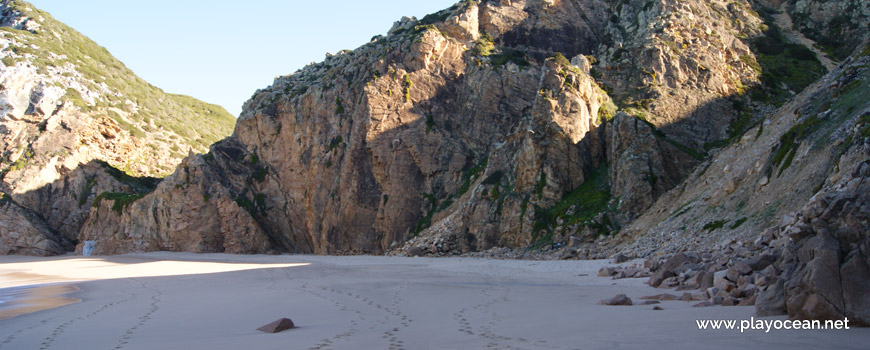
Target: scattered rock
[(661, 297), (277, 326), (620, 299), (620, 258)]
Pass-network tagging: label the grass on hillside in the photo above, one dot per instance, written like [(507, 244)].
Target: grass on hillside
[(199, 124)]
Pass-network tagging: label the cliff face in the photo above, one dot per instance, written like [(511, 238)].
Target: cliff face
[(71, 115), (487, 124)]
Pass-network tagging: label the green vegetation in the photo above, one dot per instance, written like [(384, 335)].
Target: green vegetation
[(198, 123), (561, 60), (426, 220), (22, 161), (5, 198), (744, 121), (791, 140), (837, 42), (335, 142), (784, 68), (606, 111), (121, 200), (339, 108), (138, 188), (738, 223), (255, 207), (138, 184), (86, 192), (541, 184), (506, 55), (430, 123), (581, 206), (484, 46), (406, 87), (494, 178), (260, 174), (468, 175), (715, 225), (864, 123)]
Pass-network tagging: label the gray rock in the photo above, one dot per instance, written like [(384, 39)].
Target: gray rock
[(771, 302), (620, 299), (277, 326), (620, 258), (720, 281)]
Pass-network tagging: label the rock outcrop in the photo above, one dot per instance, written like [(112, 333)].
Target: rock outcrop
[(71, 115), (826, 266), (492, 125), (25, 233)]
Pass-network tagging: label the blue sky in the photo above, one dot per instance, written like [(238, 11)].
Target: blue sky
[(223, 51)]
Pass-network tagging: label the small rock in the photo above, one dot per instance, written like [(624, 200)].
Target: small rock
[(277, 326), (415, 251), (748, 301), (657, 308), (651, 302), (620, 258), (703, 304), (706, 280), (719, 280), (606, 271), (620, 299), (662, 297)]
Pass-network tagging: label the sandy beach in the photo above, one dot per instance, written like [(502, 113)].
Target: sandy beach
[(216, 301)]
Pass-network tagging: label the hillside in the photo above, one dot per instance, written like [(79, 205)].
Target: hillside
[(74, 123)]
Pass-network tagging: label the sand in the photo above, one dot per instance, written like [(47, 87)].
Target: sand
[(216, 301)]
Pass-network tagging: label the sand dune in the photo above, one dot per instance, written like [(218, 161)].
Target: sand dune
[(214, 301)]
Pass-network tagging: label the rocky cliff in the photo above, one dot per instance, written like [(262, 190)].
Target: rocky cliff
[(484, 125), (71, 115)]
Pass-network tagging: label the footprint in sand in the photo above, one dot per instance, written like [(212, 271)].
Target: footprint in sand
[(153, 307), (48, 341)]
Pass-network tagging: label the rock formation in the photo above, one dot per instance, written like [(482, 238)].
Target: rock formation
[(71, 115)]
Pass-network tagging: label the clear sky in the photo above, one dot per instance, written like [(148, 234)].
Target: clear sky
[(221, 51)]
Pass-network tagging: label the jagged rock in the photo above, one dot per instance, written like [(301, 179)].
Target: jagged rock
[(772, 302), (720, 280), (826, 276), (199, 210), (25, 233)]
